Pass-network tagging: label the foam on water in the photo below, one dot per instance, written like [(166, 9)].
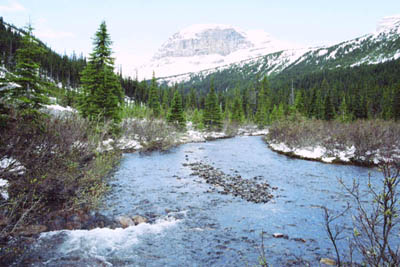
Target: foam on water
[(100, 243)]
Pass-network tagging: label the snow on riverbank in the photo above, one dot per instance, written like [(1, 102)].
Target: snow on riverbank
[(315, 153), (320, 153), (191, 135)]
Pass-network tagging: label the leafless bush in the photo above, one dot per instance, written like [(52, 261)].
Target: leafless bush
[(376, 222), (57, 158), (153, 134), (230, 128)]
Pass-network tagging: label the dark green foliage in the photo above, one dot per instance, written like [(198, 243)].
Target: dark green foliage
[(192, 100), (237, 109), (212, 117), (62, 69), (27, 89), (102, 95), (329, 112), (396, 103), (154, 98), (299, 102), (261, 114), (175, 114)]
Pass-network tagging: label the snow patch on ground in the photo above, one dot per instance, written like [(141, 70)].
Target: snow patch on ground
[(12, 165), (346, 155), (9, 165), (3, 188), (316, 153), (128, 144), (280, 147), (57, 110)]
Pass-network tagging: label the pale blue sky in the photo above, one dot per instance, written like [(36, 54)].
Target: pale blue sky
[(139, 27)]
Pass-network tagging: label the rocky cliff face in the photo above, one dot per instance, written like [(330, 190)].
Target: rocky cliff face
[(221, 40), (206, 46)]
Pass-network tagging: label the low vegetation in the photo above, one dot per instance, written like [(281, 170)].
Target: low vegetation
[(52, 165), (375, 222), (370, 138)]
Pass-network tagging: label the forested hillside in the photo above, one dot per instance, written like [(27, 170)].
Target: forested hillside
[(64, 69)]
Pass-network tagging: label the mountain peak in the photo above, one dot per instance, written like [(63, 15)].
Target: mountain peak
[(194, 31), (204, 39), (206, 46), (389, 24)]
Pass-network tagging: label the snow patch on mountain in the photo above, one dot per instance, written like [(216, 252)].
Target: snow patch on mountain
[(389, 24)]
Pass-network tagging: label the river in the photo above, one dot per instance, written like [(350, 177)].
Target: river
[(192, 224)]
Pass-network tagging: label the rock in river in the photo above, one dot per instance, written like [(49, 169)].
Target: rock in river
[(125, 221), (137, 219)]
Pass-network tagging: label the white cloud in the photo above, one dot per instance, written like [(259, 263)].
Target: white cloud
[(12, 6)]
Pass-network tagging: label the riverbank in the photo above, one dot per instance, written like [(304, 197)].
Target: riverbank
[(141, 135), (362, 143)]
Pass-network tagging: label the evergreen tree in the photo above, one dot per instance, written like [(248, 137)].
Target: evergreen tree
[(154, 99), (251, 103), (102, 96), (263, 104), (237, 108), (165, 102), (197, 119), (175, 114), (329, 112), (212, 117), (192, 100), (274, 114), (343, 114), (28, 94), (396, 103), (299, 102)]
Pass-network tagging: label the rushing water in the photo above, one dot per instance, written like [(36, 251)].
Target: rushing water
[(194, 225)]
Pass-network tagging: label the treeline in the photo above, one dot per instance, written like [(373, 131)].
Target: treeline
[(367, 91), (363, 92)]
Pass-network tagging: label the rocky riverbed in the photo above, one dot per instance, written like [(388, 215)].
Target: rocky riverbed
[(248, 189)]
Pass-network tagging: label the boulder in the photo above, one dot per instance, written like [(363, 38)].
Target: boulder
[(328, 261), (125, 221), (137, 219)]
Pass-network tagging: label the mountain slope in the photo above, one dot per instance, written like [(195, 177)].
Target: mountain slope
[(380, 46)]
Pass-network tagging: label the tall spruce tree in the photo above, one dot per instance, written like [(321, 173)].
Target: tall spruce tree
[(29, 91), (212, 117), (396, 103), (237, 108), (154, 98), (329, 109), (263, 104), (175, 114), (102, 96)]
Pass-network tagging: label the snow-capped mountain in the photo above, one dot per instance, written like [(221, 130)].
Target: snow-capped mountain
[(205, 46), (378, 47)]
